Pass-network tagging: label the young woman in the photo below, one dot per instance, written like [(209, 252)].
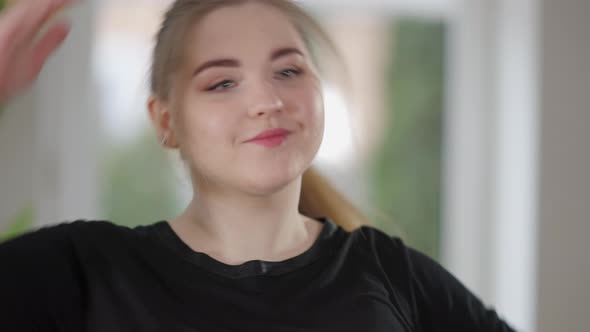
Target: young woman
[(236, 90)]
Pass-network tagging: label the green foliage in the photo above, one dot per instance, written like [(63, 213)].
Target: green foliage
[(406, 173), (21, 223), (139, 183)]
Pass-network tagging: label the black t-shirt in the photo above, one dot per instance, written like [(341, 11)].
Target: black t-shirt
[(98, 276)]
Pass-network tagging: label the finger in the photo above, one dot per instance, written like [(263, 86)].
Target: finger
[(37, 18), (24, 19), (44, 47)]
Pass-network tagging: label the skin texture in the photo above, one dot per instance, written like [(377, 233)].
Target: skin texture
[(24, 52), (247, 201)]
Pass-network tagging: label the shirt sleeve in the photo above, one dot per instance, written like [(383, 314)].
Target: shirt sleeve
[(444, 303), (39, 284)]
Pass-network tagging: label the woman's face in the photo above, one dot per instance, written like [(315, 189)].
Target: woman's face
[(247, 70)]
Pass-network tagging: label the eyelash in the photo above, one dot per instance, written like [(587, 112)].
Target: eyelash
[(296, 72), (214, 87)]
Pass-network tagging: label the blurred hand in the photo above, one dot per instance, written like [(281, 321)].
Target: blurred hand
[(22, 50)]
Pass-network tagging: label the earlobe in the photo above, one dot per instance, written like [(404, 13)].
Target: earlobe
[(162, 121)]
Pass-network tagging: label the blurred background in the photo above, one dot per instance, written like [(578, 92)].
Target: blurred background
[(466, 137)]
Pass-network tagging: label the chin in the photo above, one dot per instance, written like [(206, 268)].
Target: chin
[(266, 183)]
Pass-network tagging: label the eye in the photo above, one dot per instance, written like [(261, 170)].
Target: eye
[(288, 73), (223, 85)]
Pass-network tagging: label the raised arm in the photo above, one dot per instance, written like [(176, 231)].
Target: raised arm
[(23, 51)]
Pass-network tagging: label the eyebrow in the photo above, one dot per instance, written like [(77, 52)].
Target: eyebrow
[(235, 63)]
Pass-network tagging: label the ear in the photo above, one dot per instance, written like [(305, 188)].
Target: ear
[(163, 121)]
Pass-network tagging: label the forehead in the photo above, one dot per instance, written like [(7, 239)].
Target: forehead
[(251, 29)]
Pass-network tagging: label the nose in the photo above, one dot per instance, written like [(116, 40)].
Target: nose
[(264, 100)]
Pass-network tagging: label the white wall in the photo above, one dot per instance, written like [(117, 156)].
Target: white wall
[(564, 246), (16, 158), (67, 127)]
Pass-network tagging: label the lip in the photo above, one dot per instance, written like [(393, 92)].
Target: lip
[(271, 134)]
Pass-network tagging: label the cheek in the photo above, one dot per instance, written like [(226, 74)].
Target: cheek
[(314, 112), (206, 127), (308, 104)]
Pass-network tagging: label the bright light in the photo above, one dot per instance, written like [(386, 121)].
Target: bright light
[(337, 146)]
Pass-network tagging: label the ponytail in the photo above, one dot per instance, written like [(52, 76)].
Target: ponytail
[(320, 199)]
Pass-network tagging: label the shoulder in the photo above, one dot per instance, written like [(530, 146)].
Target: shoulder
[(88, 227), (404, 265), (400, 259), (62, 236), (49, 251), (86, 245), (69, 226), (437, 298), (391, 247), (375, 242), (387, 254)]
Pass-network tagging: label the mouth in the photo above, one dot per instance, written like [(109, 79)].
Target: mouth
[(270, 138), (271, 141)]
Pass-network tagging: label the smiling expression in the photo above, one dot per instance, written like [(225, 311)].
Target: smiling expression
[(247, 70)]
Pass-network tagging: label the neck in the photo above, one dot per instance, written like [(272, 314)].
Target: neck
[(235, 228)]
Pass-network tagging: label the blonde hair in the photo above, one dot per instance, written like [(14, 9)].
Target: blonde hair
[(318, 197)]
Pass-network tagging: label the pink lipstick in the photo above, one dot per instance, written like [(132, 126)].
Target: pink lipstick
[(270, 138)]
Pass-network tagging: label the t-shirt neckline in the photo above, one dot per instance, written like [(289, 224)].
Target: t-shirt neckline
[(322, 245)]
